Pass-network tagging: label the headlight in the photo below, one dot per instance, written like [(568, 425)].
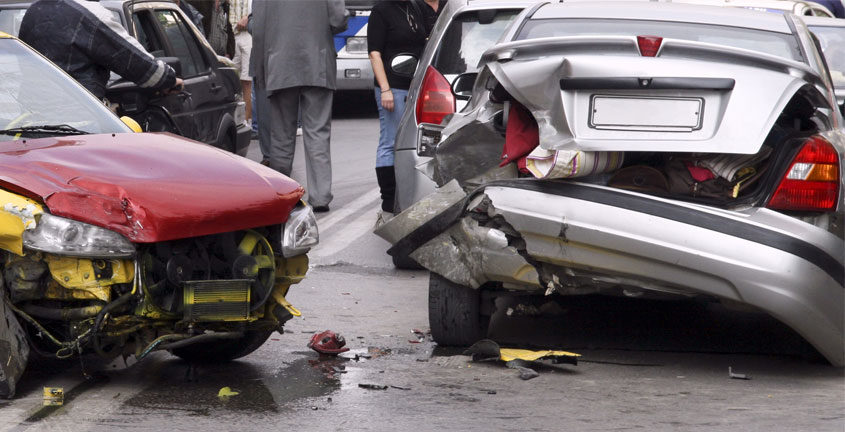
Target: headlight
[(62, 236), (300, 233), (356, 44), (240, 113)]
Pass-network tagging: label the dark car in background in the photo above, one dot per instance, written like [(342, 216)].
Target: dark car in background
[(209, 109)]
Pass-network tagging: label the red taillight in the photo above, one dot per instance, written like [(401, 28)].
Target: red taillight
[(436, 99), (812, 181), (649, 45)]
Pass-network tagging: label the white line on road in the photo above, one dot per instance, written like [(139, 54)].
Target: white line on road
[(352, 229), (366, 199)]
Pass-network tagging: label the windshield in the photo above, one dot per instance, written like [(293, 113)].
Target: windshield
[(34, 93), (10, 20), (779, 44), (832, 41)]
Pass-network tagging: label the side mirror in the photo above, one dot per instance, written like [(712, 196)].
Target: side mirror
[(404, 65), (173, 62), (462, 85)]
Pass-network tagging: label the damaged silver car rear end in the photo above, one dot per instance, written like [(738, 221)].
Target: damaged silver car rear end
[(605, 150)]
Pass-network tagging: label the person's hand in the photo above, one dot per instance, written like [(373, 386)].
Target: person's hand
[(179, 86), (241, 25), (387, 100)]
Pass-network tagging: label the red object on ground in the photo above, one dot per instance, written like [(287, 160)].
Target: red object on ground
[(521, 136), (147, 187), (328, 342)]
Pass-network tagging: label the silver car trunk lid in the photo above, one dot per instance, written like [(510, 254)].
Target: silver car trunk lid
[(597, 93)]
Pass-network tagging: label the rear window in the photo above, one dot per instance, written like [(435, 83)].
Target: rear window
[(10, 20), (778, 44), (467, 37), (832, 41)]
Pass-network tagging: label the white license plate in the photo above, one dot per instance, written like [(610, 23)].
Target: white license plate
[(646, 113)]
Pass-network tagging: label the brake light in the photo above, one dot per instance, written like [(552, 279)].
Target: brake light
[(649, 45), (812, 181), (436, 99)]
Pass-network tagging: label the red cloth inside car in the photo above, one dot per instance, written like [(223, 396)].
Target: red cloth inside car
[(521, 136)]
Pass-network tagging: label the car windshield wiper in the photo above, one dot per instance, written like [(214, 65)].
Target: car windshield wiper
[(59, 129)]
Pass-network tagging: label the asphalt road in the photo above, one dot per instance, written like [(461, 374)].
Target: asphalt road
[(645, 365)]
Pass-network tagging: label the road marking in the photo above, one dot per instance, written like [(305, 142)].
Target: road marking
[(366, 199), (352, 229)]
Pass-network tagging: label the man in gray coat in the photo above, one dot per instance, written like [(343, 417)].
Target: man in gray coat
[(294, 64)]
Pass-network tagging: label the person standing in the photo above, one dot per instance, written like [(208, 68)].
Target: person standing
[(294, 61), (238, 18), (430, 10), (394, 28)]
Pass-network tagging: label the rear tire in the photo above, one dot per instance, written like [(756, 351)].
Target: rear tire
[(454, 313), (223, 350)]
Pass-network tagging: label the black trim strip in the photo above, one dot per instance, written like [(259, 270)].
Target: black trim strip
[(659, 83), (800, 248)]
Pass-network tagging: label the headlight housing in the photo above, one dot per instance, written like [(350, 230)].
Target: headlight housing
[(356, 44), (300, 233), (61, 236), (240, 113)]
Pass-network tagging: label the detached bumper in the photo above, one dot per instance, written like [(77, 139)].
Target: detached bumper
[(787, 268)]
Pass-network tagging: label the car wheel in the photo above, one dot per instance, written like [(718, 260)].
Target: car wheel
[(228, 142), (454, 312), (404, 262), (223, 350)]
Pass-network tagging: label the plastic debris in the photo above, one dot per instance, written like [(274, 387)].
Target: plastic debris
[(227, 392), (328, 343), (372, 386), (419, 334), (737, 375), (518, 359), (400, 388), (54, 396)]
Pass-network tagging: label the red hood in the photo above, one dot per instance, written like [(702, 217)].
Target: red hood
[(148, 187)]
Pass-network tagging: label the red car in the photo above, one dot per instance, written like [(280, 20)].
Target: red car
[(122, 243)]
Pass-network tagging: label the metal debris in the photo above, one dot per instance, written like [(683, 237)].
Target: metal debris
[(372, 386), (737, 375)]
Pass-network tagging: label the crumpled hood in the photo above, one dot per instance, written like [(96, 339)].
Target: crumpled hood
[(147, 187)]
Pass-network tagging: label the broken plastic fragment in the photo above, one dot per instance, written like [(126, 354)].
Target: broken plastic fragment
[(26, 213), (328, 343), (227, 392), (54, 396), (737, 375)]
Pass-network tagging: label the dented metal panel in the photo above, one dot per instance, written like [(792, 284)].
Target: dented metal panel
[(148, 190)]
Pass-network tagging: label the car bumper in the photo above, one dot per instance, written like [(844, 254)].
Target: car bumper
[(411, 184), (607, 237), (244, 134), (354, 74)]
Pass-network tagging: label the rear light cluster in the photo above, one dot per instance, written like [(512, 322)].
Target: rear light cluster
[(649, 45), (436, 99), (812, 181)]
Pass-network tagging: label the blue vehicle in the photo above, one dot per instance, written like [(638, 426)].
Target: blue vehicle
[(353, 64)]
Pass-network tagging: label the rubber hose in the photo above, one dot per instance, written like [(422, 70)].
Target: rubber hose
[(201, 338), (63, 314)]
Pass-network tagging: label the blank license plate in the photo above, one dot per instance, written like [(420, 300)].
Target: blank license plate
[(646, 113)]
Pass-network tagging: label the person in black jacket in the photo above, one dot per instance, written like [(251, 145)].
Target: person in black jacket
[(83, 39), (394, 27)]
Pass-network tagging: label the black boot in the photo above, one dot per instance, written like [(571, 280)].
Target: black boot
[(387, 185)]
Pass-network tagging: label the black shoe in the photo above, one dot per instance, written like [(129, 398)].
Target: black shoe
[(321, 209)]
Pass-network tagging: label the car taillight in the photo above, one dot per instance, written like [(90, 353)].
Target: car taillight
[(436, 99), (649, 45), (812, 181)]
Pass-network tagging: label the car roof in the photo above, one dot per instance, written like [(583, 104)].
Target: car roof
[(664, 11), (814, 21)]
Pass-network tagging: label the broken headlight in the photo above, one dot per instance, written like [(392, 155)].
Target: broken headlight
[(300, 233), (62, 236)]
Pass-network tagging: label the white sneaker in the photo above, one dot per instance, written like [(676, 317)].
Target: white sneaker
[(299, 131)]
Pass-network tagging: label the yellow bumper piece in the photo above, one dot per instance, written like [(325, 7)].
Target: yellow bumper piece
[(509, 354), (17, 214)]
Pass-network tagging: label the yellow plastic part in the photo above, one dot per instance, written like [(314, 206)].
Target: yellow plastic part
[(508, 354), (129, 121), (17, 214), (54, 396), (289, 271), (79, 276)]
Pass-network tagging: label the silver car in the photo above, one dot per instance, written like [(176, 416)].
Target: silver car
[(831, 35), (638, 149)]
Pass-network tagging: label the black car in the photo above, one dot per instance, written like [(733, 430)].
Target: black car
[(209, 109)]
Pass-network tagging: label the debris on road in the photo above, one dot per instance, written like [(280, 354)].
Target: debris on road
[(737, 375), (400, 388), (226, 392), (372, 386), (328, 343), (519, 359), (54, 396), (419, 334)]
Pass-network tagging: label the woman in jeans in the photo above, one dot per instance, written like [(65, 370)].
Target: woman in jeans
[(395, 27)]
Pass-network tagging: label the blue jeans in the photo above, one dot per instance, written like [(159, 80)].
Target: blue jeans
[(388, 123)]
